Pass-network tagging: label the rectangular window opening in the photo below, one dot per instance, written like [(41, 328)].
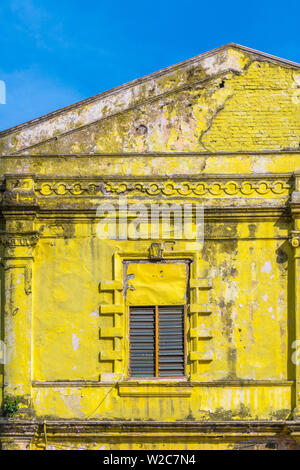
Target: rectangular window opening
[(157, 344)]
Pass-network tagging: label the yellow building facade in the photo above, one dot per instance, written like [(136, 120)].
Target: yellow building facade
[(220, 134)]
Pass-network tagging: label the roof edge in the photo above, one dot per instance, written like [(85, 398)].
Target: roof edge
[(139, 80)]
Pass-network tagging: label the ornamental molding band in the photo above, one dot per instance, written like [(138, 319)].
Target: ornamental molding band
[(202, 187)]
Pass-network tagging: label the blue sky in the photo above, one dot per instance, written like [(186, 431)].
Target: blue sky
[(54, 53)]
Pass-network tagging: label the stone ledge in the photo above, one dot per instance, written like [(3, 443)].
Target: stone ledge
[(192, 383), (57, 434), (154, 390), (20, 428)]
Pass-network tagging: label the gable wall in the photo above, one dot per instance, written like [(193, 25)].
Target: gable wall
[(232, 148)]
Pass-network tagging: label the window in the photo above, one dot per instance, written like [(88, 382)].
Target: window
[(157, 346)]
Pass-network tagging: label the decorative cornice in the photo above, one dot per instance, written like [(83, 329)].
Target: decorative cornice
[(80, 429), (54, 433), (12, 240), (155, 154), (202, 187), (18, 428), (260, 211)]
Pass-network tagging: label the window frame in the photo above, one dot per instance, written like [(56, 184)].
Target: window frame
[(156, 345)]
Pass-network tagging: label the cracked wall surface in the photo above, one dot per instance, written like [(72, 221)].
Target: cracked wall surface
[(220, 131)]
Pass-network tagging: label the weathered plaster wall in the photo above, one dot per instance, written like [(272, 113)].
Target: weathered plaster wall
[(221, 131), (258, 109), (232, 100), (249, 321)]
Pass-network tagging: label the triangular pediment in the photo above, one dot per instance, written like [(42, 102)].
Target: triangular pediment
[(231, 98)]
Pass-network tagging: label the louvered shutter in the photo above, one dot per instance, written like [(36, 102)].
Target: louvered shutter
[(171, 341), (142, 342), (157, 341)]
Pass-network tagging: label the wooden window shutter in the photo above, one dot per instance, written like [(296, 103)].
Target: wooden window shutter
[(171, 341), (142, 342), (157, 341)]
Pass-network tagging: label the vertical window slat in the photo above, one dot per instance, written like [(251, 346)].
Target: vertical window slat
[(156, 342)]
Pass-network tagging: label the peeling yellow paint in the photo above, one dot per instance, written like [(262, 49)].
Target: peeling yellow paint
[(156, 284), (220, 131)]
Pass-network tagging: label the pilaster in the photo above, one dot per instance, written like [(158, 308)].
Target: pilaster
[(19, 238), (295, 243)]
